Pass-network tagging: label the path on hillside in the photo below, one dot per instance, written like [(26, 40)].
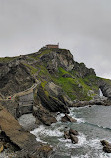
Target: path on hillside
[(22, 93)]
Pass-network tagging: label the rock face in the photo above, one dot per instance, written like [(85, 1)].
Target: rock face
[(51, 103), (59, 57), (105, 86), (14, 77), (82, 70)]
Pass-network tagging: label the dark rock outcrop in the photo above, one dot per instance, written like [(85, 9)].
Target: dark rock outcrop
[(74, 132), (44, 116), (74, 139), (51, 103), (82, 70), (66, 135), (68, 118), (58, 58), (106, 146), (14, 77), (71, 134)]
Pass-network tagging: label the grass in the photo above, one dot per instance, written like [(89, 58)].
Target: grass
[(7, 59), (71, 85), (43, 52), (32, 69)]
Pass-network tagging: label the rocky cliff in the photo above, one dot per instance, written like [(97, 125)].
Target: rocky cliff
[(48, 65)]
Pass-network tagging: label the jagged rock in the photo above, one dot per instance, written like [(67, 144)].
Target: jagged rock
[(104, 142), (59, 58), (14, 77), (68, 118), (82, 70), (66, 135), (44, 116), (51, 103), (106, 146), (71, 134), (72, 131), (57, 92), (74, 139)]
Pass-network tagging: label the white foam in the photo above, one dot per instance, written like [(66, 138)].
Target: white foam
[(59, 117), (56, 132), (40, 140), (38, 130), (105, 155), (95, 143), (73, 115), (80, 120), (82, 156), (47, 132), (81, 140)]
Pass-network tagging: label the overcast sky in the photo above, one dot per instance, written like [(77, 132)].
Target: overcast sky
[(82, 26)]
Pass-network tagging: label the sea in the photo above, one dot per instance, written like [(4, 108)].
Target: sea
[(93, 124)]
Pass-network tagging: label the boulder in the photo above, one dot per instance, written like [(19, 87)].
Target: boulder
[(66, 135), (44, 116), (104, 143), (74, 139), (106, 146), (74, 132), (68, 118)]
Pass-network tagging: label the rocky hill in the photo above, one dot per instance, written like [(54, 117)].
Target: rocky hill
[(42, 83), (51, 67)]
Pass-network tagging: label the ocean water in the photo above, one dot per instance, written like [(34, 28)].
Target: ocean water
[(93, 124)]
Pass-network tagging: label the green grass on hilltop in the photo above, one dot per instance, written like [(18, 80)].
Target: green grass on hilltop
[(7, 59)]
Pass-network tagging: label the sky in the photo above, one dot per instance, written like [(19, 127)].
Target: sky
[(82, 26)]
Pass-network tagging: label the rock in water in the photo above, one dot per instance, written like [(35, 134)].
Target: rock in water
[(106, 146), (74, 139), (68, 118), (66, 135), (104, 142), (44, 116), (74, 132)]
